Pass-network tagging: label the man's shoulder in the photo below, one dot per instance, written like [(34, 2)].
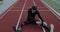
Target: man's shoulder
[(29, 9)]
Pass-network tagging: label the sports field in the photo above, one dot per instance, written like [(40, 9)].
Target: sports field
[(55, 4), (17, 14), (1, 0)]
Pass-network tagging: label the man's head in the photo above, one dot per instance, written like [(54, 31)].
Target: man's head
[(34, 8)]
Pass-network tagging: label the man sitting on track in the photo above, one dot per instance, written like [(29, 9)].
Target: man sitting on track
[(32, 12)]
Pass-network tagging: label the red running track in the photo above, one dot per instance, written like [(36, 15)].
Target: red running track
[(10, 19)]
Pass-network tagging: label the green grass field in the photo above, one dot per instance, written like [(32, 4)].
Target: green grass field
[(1, 0), (55, 4)]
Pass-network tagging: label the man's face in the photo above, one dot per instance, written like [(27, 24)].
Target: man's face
[(33, 11)]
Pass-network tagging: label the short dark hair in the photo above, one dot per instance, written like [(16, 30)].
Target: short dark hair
[(34, 7)]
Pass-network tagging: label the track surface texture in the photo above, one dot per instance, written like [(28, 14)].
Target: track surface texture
[(11, 17)]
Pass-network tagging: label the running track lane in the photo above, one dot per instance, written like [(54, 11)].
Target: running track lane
[(29, 27), (10, 19), (48, 16)]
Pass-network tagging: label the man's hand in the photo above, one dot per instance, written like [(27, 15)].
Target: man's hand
[(44, 23)]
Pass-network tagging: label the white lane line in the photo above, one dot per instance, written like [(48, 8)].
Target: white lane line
[(29, 7), (42, 27), (38, 9), (51, 9), (7, 11), (51, 26), (34, 3), (21, 14)]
